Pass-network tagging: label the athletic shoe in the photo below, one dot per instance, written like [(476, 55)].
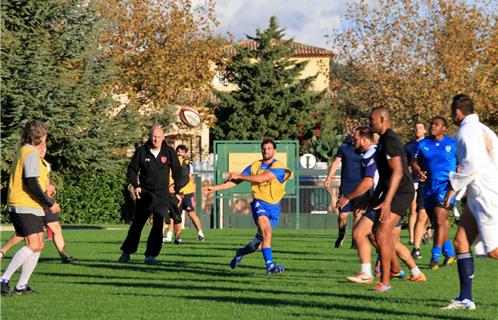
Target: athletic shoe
[(166, 239), (178, 241), (361, 277), (400, 275), (125, 258), (275, 269), (340, 240), (5, 289), (382, 288), (150, 260), (465, 304), (449, 261), (410, 242), (26, 290), (236, 260), (420, 278), (378, 267), (434, 264), (201, 238), (69, 260), (416, 253), (425, 240)]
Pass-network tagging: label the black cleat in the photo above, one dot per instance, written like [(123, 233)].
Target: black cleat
[(340, 240), (69, 260), (26, 290), (416, 253), (178, 241), (434, 264), (5, 289)]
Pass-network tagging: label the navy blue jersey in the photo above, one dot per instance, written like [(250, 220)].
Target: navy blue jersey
[(439, 158), (410, 150), (350, 167), (369, 166)]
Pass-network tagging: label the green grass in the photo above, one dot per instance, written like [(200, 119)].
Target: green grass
[(195, 282)]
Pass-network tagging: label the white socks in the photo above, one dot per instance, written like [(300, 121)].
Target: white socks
[(17, 260), (27, 270), (415, 271), (366, 268), (200, 233)]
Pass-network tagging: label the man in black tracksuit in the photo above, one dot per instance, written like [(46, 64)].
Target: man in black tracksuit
[(148, 173)]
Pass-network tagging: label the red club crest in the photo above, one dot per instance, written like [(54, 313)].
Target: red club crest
[(164, 159)]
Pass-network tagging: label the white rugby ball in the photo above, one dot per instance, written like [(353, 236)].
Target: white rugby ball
[(190, 117)]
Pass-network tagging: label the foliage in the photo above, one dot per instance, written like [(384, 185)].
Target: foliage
[(195, 278), (271, 100), (90, 198), (53, 70), (325, 146), (162, 50), (414, 56)]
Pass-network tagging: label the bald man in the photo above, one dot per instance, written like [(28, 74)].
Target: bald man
[(148, 173), (394, 192)]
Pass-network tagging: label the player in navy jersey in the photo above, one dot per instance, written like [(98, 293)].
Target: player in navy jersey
[(350, 161), (438, 153)]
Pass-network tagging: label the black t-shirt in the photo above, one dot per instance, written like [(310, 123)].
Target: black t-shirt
[(390, 146)]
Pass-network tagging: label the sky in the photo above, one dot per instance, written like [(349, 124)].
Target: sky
[(307, 21)]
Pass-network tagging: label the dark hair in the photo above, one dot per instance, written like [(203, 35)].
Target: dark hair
[(33, 132), (181, 147), (365, 132), (445, 122), (464, 103), (419, 122), (267, 141)]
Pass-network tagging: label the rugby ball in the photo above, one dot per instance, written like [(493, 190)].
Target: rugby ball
[(190, 117)]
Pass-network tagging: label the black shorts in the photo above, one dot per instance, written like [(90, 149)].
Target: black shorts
[(374, 217), (402, 201), (188, 203), (420, 197), (26, 224), (50, 217), (174, 212)]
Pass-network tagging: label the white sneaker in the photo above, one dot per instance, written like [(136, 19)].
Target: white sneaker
[(361, 277), (166, 239), (465, 304)]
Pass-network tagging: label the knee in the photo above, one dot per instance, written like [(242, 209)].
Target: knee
[(457, 243), (267, 234), (36, 247)]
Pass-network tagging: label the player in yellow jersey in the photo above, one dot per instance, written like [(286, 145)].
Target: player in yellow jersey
[(267, 177)]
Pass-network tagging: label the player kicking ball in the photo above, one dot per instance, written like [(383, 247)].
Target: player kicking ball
[(268, 177)]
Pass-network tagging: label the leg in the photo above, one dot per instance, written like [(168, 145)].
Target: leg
[(195, 220), (361, 232), (58, 238), (412, 220), (385, 242), (130, 245), (265, 229), (342, 220), (154, 241), (13, 240), (420, 227)]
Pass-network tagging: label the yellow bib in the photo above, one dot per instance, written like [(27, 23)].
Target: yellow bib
[(18, 195), (271, 191)]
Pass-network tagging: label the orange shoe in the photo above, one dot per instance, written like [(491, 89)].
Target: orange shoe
[(420, 278)]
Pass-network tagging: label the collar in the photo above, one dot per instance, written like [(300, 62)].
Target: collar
[(470, 118)]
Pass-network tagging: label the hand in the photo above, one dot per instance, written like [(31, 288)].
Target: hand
[(172, 188), (447, 199), (343, 200), (385, 211), (180, 199), (329, 182), (138, 191), (55, 208), (233, 176), (422, 176), (51, 191), (358, 211), (209, 189)]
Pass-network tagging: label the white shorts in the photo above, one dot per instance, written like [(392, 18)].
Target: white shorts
[(487, 225)]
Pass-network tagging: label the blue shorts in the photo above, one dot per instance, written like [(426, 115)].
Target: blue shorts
[(435, 197), (188, 203), (374, 217), (261, 208)]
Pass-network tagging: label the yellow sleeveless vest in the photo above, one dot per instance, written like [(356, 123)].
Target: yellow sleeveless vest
[(271, 191), (18, 195)]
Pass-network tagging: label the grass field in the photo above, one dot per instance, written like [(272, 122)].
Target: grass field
[(195, 282)]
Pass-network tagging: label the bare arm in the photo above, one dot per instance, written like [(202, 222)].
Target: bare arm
[(422, 175), (364, 185), (331, 173), (259, 178)]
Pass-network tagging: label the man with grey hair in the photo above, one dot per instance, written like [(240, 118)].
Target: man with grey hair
[(148, 173)]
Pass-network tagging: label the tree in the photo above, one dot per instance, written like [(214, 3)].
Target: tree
[(414, 56), (271, 100), (53, 70), (163, 50)]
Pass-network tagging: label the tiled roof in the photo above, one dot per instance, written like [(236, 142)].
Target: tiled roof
[(300, 50)]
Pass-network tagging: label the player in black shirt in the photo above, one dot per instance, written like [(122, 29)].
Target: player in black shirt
[(394, 192)]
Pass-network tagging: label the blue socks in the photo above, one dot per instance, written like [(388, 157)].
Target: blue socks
[(448, 249), (268, 256), (465, 264), (436, 252), (244, 251)]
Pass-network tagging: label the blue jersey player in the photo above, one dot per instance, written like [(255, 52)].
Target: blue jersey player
[(268, 177), (438, 153)]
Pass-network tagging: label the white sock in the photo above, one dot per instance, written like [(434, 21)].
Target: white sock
[(200, 233), (169, 235), (415, 271), (17, 260), (27, 270), (366, 268)]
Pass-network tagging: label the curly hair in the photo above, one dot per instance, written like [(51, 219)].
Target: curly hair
[(33, 132)]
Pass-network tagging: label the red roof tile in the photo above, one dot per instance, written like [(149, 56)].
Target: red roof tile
[(300, 50)]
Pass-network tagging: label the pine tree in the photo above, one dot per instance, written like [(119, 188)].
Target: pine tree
[(271, 100), (52, 70)]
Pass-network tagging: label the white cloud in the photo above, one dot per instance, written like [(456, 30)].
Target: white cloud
[(307, 21)]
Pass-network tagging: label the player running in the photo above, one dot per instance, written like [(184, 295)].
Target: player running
[(267, 177)]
